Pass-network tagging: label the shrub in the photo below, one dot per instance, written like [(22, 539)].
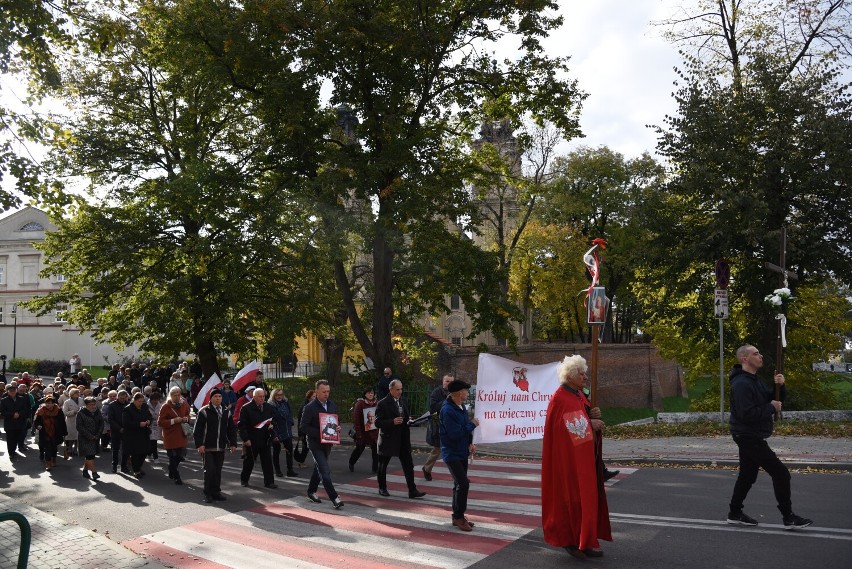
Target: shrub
[(18, 365), (52, 367)]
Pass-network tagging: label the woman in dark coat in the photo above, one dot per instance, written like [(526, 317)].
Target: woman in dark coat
[(90, 425), (136, 420), (282, 424), (50, 424)]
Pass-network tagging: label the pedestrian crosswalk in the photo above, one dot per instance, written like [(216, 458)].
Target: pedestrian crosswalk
[(370, 531)]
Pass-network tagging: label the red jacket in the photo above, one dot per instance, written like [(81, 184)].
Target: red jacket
[(173, 436)]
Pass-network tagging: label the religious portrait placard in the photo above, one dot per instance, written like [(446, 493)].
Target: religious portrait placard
[(598, 306), (370, 419), (328, 425)]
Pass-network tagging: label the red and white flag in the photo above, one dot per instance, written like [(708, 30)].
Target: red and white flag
[(203, 397), (245, 376), (263, 423)]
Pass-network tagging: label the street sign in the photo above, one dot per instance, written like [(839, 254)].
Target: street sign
[(723, 274), (720, 305)]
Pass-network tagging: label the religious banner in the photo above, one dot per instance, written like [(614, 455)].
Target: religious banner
[(511, 399)]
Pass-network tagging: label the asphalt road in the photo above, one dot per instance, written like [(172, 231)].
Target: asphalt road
[(672, 518), (661, 517)]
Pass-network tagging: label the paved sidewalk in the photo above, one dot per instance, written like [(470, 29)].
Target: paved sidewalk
[(59, 545)]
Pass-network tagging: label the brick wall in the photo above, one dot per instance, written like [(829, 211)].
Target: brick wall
[(629, 375)]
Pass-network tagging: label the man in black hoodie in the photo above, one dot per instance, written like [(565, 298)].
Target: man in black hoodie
[(753, 411)]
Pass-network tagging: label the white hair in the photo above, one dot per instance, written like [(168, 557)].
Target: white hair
[(571, 366)]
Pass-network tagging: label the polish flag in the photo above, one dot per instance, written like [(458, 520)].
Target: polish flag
[(263, 423), (245, 376), (203, 397)]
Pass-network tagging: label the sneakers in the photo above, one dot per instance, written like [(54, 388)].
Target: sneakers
[(741, 519), (337, 503), (796, 522), (314, 498)]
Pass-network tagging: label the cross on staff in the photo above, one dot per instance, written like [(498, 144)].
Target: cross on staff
[(786, 277)]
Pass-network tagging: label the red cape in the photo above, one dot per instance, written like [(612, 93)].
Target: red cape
[(573, 501)]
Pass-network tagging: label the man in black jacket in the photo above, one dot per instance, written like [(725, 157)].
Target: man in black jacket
[(16, 412), (393, 420), (752, 414), (214, 431), (310, 426), (436, 401), (256, 432)]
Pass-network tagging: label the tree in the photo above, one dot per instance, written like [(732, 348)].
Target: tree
[(516, 171), (31, 31), (603, 195), (761, 140), (418, 81), (190, 240)]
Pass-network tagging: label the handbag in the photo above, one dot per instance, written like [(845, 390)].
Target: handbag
[(300, 453), (187, 429)]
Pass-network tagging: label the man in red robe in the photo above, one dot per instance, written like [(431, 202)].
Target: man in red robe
[(574, 511)]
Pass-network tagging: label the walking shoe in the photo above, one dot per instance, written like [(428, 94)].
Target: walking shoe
[(114, 469), (470, 523), (351, 467), (337, 503), (793, 521), (178, 481), (244, 483), (426, 474), (85, 474), (279, 474), (207, 499), (312, 496), (575, 551), (741, 519), (271, 486), (219, 497), (609, 474), (593, 552), (383, 492), (416, 494), (462, 524), (95, 476), (292, 473)]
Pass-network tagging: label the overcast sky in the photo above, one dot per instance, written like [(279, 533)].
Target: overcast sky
[(624, 65)]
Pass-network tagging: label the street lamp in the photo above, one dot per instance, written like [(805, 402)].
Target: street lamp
[(14, 330)]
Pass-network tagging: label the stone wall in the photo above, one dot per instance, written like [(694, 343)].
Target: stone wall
[(629, 375)]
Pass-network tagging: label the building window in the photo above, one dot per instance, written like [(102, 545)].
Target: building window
[(3, 274), (455, 302), (32, 226), (1, 314), (456, 341), (60, 278), (501, 342), (29, 269), (60, 313)]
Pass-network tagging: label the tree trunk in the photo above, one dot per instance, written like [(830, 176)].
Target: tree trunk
[(205, 350), (383, 257), (334, 348)]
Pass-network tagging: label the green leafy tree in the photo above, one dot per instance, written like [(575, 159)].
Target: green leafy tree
[(604, 195), (761, 140), (31, 32), (418, 81), (190, 240)]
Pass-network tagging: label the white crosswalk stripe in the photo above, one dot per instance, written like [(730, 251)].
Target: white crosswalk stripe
[(370, 531)]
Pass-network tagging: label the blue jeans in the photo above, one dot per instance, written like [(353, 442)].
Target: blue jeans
[(322, 472), (461, 485)]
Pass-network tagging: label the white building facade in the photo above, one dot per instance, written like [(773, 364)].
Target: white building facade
[(23, 334)]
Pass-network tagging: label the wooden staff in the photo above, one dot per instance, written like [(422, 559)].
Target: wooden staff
[(779, 367), (593, 388)]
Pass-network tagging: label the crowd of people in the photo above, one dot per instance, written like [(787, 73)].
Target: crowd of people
[(126, 415)]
